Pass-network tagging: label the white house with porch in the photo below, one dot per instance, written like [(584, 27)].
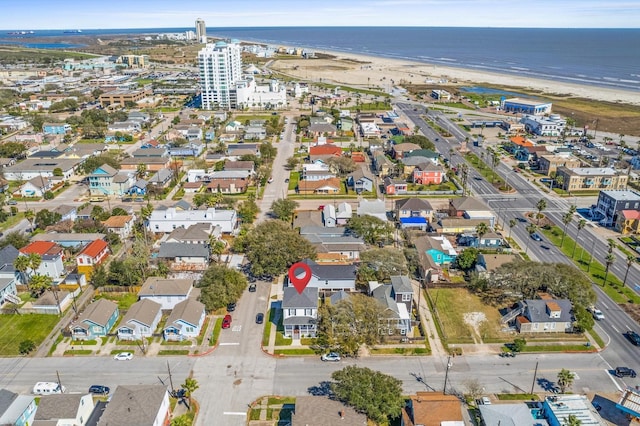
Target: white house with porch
[(300, 312)]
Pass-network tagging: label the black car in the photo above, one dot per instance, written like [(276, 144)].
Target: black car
[(231, 307), (633, 337), (625, 372), (259, 318), (252, 288), (99, 390)]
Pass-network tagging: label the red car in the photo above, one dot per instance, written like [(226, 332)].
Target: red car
[(226, 322)]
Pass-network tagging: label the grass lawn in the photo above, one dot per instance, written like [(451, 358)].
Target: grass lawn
[(243, 118), (559, 348), (79, 352), (167, 352), (216, 332), (517, 397), (124, 300), (294, 178), (16, 328), (484, 169), (399, 351), (453, 304), (294, 352)]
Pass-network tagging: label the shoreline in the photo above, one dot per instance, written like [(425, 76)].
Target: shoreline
[(386, 70)]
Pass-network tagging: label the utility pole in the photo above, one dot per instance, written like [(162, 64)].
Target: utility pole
[(59, 383), (170, 378), (535, 374), (446, 376)]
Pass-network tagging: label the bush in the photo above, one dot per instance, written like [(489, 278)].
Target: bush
[(26, 347), (48, 195)]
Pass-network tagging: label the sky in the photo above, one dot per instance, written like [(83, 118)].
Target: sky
[(90, 14)]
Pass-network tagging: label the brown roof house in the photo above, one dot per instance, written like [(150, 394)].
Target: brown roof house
[(322, 411), (432, 409), (137, 405), (96, 321), (324, 186)]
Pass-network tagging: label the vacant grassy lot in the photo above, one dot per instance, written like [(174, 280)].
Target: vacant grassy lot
[(452, 305), (16, 328)]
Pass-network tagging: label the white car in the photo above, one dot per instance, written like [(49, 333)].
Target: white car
[(597, 314), (331, 356), (123, 356)]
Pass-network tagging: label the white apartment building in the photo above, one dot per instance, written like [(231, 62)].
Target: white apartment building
[(251, 95), (220, 69), (553, 125), (201, 31)]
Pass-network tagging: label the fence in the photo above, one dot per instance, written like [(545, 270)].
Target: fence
[(119, 289)]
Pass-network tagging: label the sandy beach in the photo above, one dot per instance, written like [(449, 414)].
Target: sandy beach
[(375, 72)]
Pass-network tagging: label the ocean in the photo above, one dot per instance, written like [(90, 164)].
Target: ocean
[(596, 57)]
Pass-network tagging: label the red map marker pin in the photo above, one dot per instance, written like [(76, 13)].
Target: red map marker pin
[(300, 283)]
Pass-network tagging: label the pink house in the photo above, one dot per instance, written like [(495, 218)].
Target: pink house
[(394, 186), (428, 174)]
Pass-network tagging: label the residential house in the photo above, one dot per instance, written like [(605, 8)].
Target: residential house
[(228, 186), (490, 240), (434, 409), (56, 128), (51, 303), (557, 408), (139, 188), (346, 247), (628, 222), (246, 166), (192, 149), (162, 178), (322, 411), (336, 216), (71, 239), (397, 310), (325, 186), (92, 255), (359, 181), (591, 179), (441, 250), (185, 256), (171, 218), (255, 133), (232, 175), (233, 126), (316, 171), (192, 187), (400, 150), (346, 124), (414, 207), (130, 127), (37, 167), (101, 180), (304, 218), (370, 130), (471, 208), (424, 155), (395, 186), (16, 410), (324, 152), (122, 226), (52, 256), (358, 157), (545, 316), (167, 292), (35, 187), (240, 149), (96, 321), (300, 312), (141, 320), (322, 129), (9, 277), (124, 407), (457, 225), (153, 164), (331, 277), (428, 174), (517, 146), (185, 321), (66, 212), (516, 414), (383, 165), (375, 208), (72, 409), (612, 202), (198, 233), (427, 247)]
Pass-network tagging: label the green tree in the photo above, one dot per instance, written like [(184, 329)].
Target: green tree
[(141, 171), (608, 261), (581, 224), (566, 220), (46, 218), (16, 239), (217, 247), (512, 224), (379, 264), (183, 420), (584, 319), (12, 150), (272, 246), (341, 165), (519, 344), (372, 229), (631, 259), (190, 385), (268, 151), (541, 205), (30, 215), (421, 140), (21, 264), (248, 210), (467, 258), (572, 420), (284, 209), (26, 347), (220, 286), (375, 394), (99, 276), (40, 284), (565, 380), (292, 163)]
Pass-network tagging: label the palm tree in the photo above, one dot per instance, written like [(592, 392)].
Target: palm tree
[(630, 261), (612, 245), (565, 379), (566, 219), (21, 264), (531, 229), (608, 260), (30, 215), (481, 230), (581, 224), (540, 205), (190, 385), (512, 224), (35, 260), (40, 283), (572, 420)]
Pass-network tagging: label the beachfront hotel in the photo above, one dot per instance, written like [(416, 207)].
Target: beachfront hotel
[(201, 31), (220, 69)]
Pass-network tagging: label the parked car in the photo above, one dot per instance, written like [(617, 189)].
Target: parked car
[(231, 307), (331, 356), (12, 203), (99, 390), (123, 356), (625, 372), (484, 401), (252, 288), (270, 180), (226, 322), (633, 337), (259, 318), (536, 237)]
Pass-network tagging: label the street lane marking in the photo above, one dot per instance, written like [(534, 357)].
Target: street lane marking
[(236, 328), (230, 344), (234, 413), (628, 328), (614, 328), (615, 382)]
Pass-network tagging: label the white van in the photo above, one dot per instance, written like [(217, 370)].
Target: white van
[(48, 388)]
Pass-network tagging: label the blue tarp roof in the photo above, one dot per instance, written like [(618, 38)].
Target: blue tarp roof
[(413, 220)]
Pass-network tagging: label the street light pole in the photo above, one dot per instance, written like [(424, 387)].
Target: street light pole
[(446, 376)]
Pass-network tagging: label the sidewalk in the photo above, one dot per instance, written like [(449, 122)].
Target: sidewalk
[(430, 331), (276, 290)]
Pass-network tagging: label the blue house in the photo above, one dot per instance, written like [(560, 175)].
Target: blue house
[(56, 128), (96, 320), (192, 149), (17, 410), (138, 188), (489, 240), (414, 223), (440, 250)]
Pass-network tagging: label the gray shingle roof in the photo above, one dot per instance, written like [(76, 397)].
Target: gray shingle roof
[(401, 284), (134, 405), (189, 310), (8, 255), (468, 203), (414, 204), (307, 299), (6, 399), (331, 272), (322, 411), (537, 310), (63, 406), (98, 312), (155, 286), (171, 250), (143, 311)]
